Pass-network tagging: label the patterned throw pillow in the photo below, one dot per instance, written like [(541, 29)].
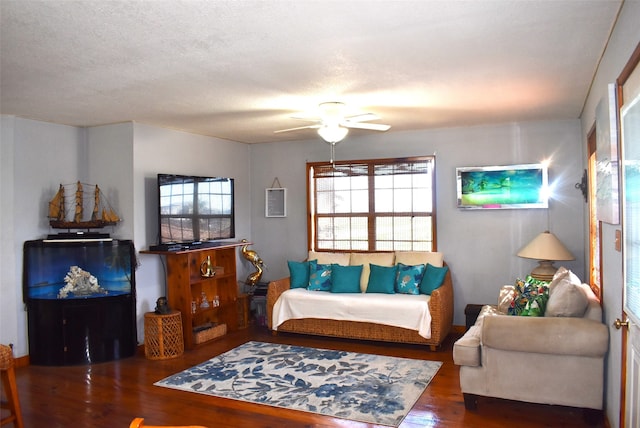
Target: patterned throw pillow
[(530, 299), (408, 278), (319, 277)]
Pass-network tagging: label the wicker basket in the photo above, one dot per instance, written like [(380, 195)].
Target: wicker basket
[(210, 333), (6, 357), (163, 335)]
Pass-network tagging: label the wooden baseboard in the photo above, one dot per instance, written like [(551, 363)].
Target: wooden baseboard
[(458, 329), (22, 361)]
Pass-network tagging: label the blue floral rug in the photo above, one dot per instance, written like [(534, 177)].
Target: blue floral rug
[(360, 387)]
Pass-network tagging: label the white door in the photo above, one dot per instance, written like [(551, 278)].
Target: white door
[(630, 156)]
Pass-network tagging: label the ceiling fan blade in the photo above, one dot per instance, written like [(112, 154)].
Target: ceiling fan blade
[(307, 118), (297, 128), (369, 126), (365, 117)]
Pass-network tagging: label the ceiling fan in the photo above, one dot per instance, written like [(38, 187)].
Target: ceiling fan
[(333, 124)]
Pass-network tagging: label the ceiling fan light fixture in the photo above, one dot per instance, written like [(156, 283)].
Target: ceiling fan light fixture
[(332, 134)]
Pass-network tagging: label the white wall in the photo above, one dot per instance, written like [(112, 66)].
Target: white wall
[(479, 246), (124, 160), (157, 150), (38, 157), (624, 40)]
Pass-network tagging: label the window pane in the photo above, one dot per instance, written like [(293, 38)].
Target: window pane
[(402, 228), (384, 229), (384, 200), (421, 200), (360, 201), (359, 228), (384, 181), (342, 229), (402, 201), (342, 183), (342, 201)]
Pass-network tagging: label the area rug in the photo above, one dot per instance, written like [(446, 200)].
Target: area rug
[(359, 387)]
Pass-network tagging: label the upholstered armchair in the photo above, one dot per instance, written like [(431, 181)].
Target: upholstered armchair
[(557, 358)]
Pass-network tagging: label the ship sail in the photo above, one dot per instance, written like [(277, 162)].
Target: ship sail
[(102, 214), (56, 206)]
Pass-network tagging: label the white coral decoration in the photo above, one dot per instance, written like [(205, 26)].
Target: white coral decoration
[(80, 282)]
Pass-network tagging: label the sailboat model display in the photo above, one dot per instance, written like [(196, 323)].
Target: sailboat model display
[(67, 200)]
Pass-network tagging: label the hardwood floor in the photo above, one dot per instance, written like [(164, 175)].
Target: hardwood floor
[(111, 394)]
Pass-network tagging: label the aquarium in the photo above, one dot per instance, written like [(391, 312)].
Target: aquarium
[(78, 269)]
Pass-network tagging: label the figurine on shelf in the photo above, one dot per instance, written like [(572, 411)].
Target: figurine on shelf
[(204, 303), (257, 263), (162, 306)]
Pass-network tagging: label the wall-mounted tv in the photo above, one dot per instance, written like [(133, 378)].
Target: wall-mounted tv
[(503, 187), (194, 209)]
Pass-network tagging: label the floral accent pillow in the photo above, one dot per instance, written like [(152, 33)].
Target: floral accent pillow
[(530, 297)]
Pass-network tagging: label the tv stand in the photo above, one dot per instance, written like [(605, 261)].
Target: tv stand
[(185, 284)]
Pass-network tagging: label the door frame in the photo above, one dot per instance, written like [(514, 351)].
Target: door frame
[(628, 69)]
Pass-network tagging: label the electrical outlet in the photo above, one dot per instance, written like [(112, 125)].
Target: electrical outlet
[(618, 240)]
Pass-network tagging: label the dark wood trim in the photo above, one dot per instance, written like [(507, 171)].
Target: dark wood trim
[(628, 69), (633, 62), (312, 243)]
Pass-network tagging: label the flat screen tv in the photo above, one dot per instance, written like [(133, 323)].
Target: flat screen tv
[(503, 187), (194, 209)]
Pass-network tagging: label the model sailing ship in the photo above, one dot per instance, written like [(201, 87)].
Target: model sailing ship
[(102, 214)]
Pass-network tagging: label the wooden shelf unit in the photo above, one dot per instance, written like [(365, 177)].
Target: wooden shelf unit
[(185, 285)]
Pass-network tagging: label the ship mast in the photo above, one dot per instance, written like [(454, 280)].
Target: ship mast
[(78, 214), (96, 205)]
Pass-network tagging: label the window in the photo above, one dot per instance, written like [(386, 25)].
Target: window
[(372, 205)]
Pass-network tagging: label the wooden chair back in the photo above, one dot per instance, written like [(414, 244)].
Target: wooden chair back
[(139, 423)]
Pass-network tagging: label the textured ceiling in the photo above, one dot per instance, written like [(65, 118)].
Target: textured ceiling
[(239, 69)]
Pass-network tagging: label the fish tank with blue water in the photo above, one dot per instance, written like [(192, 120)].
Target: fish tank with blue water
[(78, 269)]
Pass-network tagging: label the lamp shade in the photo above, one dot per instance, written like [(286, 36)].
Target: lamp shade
[(546, 247), (332, 134)]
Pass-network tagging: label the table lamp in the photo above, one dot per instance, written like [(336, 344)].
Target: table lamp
[(545, 248)]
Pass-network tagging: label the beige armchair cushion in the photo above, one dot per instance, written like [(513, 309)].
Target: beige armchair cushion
[(566, 296), (542, 335), (466, 351)]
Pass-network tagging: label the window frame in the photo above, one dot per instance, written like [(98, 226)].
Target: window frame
[(312, 239)]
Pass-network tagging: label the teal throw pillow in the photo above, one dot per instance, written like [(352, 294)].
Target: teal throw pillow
[(382, 279), (345, 279), (299, 274), (433, 278), (319, 277), (408, 278)]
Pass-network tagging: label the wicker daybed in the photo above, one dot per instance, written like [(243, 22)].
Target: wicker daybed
[(440, 308)]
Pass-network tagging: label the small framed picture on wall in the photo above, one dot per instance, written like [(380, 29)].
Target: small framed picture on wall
[(275, 202)]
